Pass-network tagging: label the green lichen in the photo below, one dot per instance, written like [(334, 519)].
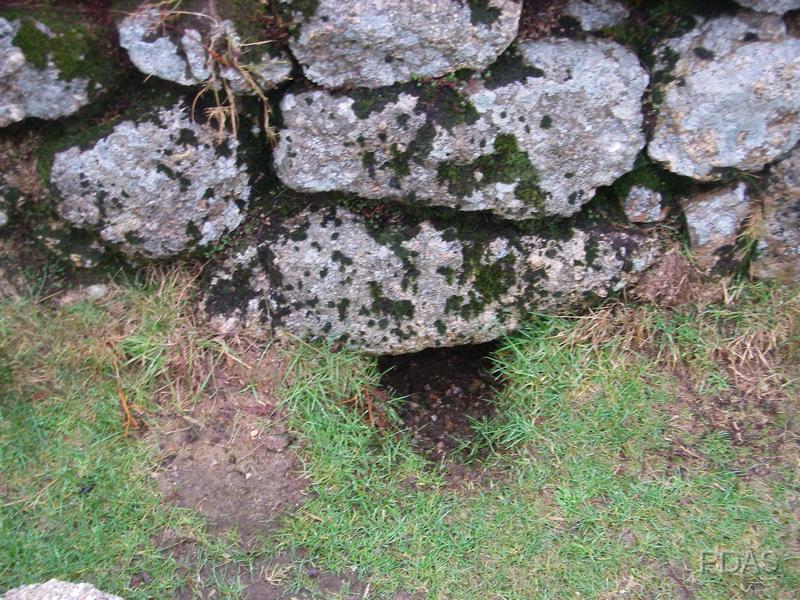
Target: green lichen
[(510, 68), (77, 49), (382, 306), (647, 174), (507, 164), (482, 13)]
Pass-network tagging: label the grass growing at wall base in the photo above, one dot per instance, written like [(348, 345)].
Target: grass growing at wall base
[(77, 499), (617, 468), (596, 490)]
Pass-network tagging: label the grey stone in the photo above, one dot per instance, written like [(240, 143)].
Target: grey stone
[(28, 89), (643, 205), (734, 101), (153, 188), (536, 137), (779, 243), (179, 53), (371, 44), (394, 289), (596, 14), (773, 6), (714, 220), (58, 590)]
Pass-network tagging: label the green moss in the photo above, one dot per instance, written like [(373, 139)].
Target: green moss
[(650, 175), (494, 279), (704, 53), (507, 164), (77, 49), (383, 306), (482, 13), (367, 101), (509, 68), (418, 149)]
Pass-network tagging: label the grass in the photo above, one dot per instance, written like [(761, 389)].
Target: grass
[(637, 451), (77, 500), (588, 493)]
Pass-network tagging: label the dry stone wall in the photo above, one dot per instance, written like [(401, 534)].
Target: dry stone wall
[(401, 175)]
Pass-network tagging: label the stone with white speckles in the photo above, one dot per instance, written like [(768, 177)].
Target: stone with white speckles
[(734, 97), (773, 6), (390, 288), (714, 220), (36, 86), (57, 590), (535, 137), (155, 187), (174, 47), (779, 243), (370, 44), (643, 205), (596, 14)]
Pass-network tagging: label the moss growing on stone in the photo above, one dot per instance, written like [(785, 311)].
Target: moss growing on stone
[(482, 13), (507, 164), (647, 174), (509, 68), (76, 48)]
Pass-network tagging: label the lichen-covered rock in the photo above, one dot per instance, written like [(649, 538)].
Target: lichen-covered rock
[(733, 100), (58, 590), (643, 205), (174, 45), (536, 137), (779, 244), (773, 6), (714, 220), (596, 14), (371, 44), (401, 288), (49, 68), (153, 187)]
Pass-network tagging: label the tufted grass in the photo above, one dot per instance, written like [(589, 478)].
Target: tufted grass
[(633, 450), (600, 485), (77, 497)]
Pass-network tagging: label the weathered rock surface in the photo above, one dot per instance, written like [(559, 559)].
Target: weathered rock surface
[(773, 6), (734, 100), (779, 246), (394, 289), (154, 187), (48, 70), (596, 14), (643, 205), (58, 590), (174, 46), (371, 44), (714, 220), (535, 138)]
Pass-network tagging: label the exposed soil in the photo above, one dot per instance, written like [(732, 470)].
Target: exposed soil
[(230, 456), (444, 390)]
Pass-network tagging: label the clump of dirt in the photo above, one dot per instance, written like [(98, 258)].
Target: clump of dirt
[(230, 456), (674, 282), (444, 389)]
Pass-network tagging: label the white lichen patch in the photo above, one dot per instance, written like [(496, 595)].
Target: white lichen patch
[(371, 44), (734, 100), (535, 138), (29, 91), (153, 188)]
